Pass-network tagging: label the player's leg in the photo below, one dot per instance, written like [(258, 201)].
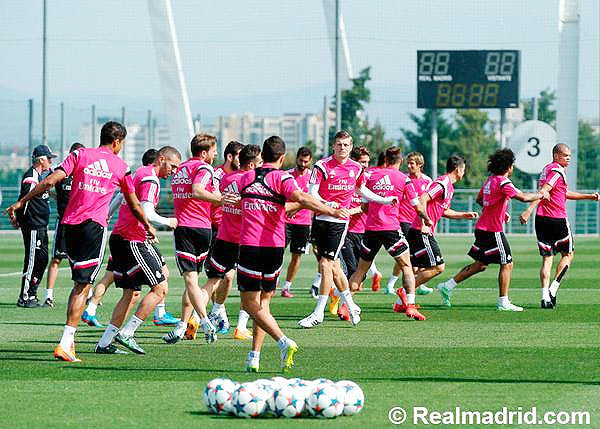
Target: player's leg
[(545, 273), (408, 285), (51, 282), (504, 275), (190, 278), (446, 289), (105, 344), (292, 271), (376, 277), (218, 312), (89, 315), (564, 263)]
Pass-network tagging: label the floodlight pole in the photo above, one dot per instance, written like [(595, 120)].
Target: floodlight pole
[(63, 151), (30, 136), (44, 79), (338, 93), (325, 127), (434, 145), (502, 122), (93, 125)]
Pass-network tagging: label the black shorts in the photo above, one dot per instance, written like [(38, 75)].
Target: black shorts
[(329, 237), (258, 268), (59, 245), (111, 267), (191, 248), (350, 253), (223, 259), (85, 247), (405, 227), (490, 248), (553, 235), (393, 241), (424, 250), (213, 237), (297, 237), (135, 263)]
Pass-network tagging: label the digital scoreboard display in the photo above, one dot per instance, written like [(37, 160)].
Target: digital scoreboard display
[(467, 79)]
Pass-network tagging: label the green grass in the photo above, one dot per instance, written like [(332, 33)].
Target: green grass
[(470, 356)]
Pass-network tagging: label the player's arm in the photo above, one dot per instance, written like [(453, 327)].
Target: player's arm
[(136, 208), (45, 185), (528, 197), (292, 208), (526, 214), (356, 210), (572, 195), (307, 201), (369, 195), (199, 192), (421, 209), (115, 203), (155, 218), (454, 214)]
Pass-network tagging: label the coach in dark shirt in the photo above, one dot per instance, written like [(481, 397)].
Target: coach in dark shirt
[(33, 221)]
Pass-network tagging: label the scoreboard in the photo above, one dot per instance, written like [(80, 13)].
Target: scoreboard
[(468, 79)]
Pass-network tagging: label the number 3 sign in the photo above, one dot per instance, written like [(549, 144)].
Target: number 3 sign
[(532, 143)]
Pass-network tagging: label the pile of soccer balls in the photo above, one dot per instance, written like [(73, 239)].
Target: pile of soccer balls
[(282, 397)]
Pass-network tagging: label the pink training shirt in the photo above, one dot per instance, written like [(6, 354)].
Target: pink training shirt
[(441, 192), (231, 220), (337, 182), (147, 188), (554, 174), (215, 212), (406, 211), (304, 216), (190, 211), (387, 182), (97, 172), (263, 207), (495, 192), (357, 221)]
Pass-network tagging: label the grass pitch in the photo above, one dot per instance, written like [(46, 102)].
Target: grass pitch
[(469, 356)]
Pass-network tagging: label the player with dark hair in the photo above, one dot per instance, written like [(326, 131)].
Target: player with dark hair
[(297, 228), (491, 245), (59, 246), (96, 172), (552, 227)]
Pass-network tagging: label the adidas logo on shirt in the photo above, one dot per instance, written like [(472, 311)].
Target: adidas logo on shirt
[(181, 178), (384, 184), (232, 188), (258, 188), (98, 169)]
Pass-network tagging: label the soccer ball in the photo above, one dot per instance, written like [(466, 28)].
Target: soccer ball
[(248, 400), (325, 401), (281, 381), (207, 394), (220, 396), (289, 401), (322, 380), (268, 388), (354, 398)]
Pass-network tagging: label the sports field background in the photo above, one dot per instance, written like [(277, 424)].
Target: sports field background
[(469, 356)]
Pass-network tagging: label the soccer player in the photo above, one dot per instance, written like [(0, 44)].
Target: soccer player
[(59, 246), (33, 219), (96, 172), (297, 228), (136, 261), (491, 245), (333, 181), (382, 226), (161, 316), (552, 227), (264, 192), (425, 253), (218, 314), (420, 182)]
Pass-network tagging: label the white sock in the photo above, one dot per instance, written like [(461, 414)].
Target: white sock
[(373, 269), (317, 281), (68, 337), (108, 336), (91, 309), (287, 285), (131, 326), (450, 283), (205, 321), (180, 328), (320, 307), (49, 293), (545, 294), (392, 281), (347, 298), (194, 314), (252, 355), (554, 287), (410, 298), (90, 293), (159, 311), (243, 320), (336, 292), (217, 308), (282, 342), (503, 300), (399, 301)]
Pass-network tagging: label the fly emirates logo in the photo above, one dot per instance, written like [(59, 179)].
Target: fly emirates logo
[(342, 185), (98, 170)]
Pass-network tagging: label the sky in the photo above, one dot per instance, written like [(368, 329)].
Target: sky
[(268, 56)]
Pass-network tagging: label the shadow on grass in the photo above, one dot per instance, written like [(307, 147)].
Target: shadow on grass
[(232, 417), (478, 380), (32, 323), (187, 370)]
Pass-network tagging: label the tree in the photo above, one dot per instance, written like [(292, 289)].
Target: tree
[(588, 159), (546, 113)]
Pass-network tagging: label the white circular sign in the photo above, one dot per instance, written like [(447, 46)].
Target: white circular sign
[(532, 143)]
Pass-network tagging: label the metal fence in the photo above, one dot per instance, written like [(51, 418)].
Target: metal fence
[(587, 222)]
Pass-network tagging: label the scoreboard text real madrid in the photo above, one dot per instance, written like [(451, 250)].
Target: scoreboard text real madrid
[(468, 79)]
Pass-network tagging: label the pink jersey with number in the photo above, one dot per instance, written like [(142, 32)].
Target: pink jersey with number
[(231, 220), (97, 172), (215, 212), (495, 193), (147, 188), (190, 211), (387, 182), (554, 174), (263, 207), (441, 191), (406, 211), (303, 216), (337, 182)]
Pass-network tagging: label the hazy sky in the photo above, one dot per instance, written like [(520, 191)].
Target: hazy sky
[(246, 48)]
